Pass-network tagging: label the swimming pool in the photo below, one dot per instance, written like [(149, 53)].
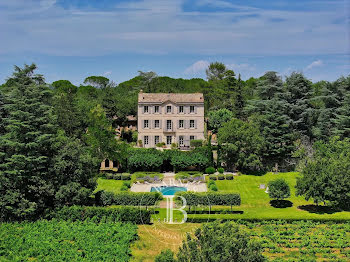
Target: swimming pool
[(168, 190)]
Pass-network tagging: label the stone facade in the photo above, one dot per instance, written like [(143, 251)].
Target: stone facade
[(170, 118)]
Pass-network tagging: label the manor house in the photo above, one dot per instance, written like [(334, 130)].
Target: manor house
[(170, 118)]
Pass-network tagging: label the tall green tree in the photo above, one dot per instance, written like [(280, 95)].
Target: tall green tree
[(26, 175), (298, 95), (102, 137), (98, 81), (241, 145), (326, 175), (65, 107), (216, 71), (217, 118)]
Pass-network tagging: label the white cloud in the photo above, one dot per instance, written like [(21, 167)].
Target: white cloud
[(316, 63), (197, 67), (107, 73), (163, 27)]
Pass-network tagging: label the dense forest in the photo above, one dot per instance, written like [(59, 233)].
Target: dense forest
[(53, 135)]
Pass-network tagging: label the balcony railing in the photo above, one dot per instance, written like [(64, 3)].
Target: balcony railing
[(171, 129)]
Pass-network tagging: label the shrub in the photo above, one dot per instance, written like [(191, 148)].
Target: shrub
[(101, 214), (220, 242), (125, 176), (165, 256), (221, 177), (117, 176), (211, 182), (220, 170), (124, 188), (279, 189), (196, 143), (109, 176), (173, 145), (213, 187), (229, 176), (160, 144), (104, 198), (213, 177), (211, 199), (210, 170), (127, 184), (182, 160)]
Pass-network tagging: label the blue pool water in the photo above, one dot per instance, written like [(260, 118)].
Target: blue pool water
[(168, 190)]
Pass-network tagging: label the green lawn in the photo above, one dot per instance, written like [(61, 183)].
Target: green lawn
[(109, 185), (256, 203)]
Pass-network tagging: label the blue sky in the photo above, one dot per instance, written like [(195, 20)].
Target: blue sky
[(72, 39)]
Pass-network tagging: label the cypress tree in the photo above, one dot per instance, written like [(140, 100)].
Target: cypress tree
[(26, 186)]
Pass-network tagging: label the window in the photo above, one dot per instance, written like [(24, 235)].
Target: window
[(191, 123), (145, 109), (156, 109), (145, 124), (168, 109), (191, 137), (191, 109), (168, 124), (156, 123), (106, 163), (156, 140), (181, 140), (145, 140), (181, 109), (181, 124), (168, 140)]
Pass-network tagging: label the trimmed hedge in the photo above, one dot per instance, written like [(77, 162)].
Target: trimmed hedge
[(220, 170), (213, 177), (211, 199), (102, 214), (104, 198), (118, 176), (229, 176)]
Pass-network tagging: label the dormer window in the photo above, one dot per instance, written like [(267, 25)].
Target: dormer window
[(191, 109), (145, 109), (168, 109)]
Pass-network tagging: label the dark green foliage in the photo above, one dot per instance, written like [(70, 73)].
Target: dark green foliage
[(213, 177), (279, 189), (212, 185), (218, 118), (241, 146), (104, 198), (102, 214), (165, 256), (144, 160), (229, 176), (196, 143), (221, 177), (326, 176), (27, 181), (181, 160), (220, 242), (298, 95), (211, 199), (97, 81), (220, 170), (210, 170)]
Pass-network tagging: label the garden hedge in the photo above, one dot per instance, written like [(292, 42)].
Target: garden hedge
[(211, 199), (104, 198), (102, 214)]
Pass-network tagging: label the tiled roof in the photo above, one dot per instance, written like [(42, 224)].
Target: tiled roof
[(173, 97)]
